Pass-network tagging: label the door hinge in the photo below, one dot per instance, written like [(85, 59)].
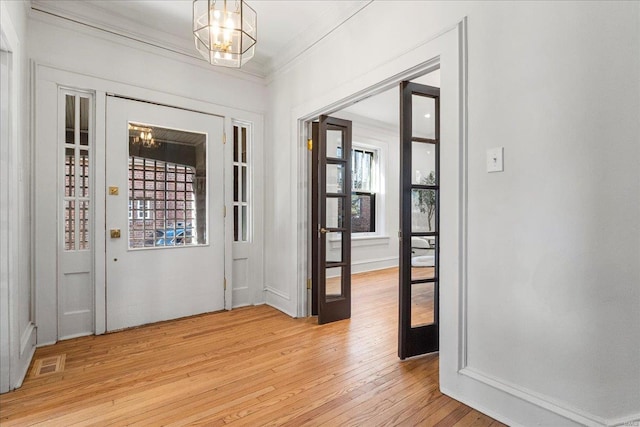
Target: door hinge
[(308, 283), (399, 234), (310, 144), (224, 138), (225, 283), (224, 211)]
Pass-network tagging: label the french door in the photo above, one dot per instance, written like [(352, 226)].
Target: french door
[(331, 219), (419, 219), (164, 213)]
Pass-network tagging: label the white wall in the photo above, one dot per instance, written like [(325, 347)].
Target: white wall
[(17, 333), (553, 242), (99, 61)]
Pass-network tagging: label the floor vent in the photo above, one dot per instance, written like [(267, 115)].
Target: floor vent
[(49, 365)]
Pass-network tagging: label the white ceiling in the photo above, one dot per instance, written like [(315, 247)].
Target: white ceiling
[(286, 28)]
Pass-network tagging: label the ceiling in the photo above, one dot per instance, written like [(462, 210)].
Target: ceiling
[(286, 28)]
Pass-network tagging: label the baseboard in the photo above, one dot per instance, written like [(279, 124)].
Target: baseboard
[(279, 300), (25, 367), (373, 264), (552, 406), (28, 337)]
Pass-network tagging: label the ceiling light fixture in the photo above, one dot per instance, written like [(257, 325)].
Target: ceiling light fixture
[(143, 136), (428, 116), (225, 31)]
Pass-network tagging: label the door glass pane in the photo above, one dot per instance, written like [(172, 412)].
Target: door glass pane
[(335, 212), (423, 163), (167, 187), (333, 282), (423, 212), (423, 257), (83, 176), (70, 119), (69, 225), (423, 117), (244, 224), (334, 247), (335, 178), (83, 241), (334, 144), (84, 121), (69, 172), (422, 297)]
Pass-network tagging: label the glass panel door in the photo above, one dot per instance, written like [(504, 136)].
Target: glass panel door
[(419, 219), (331, 220)]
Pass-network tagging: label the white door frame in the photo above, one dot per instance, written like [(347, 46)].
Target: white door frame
[(47, 79)]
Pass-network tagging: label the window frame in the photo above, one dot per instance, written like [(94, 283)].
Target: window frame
[(374, 174)]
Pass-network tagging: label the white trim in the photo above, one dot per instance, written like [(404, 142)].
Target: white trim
[(48, 78), (538, 399), (277, 293)]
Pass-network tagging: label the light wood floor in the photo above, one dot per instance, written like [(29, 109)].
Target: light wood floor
[(250, 366)]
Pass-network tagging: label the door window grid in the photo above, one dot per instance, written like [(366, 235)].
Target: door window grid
[(161, 204), (241, 176), (77, 196)]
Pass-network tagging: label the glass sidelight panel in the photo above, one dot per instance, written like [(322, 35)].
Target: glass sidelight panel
[(241, 184), (334, 144), (334, 247), (167, 187), (423, 212), (77, 168), (423, 163), (334, 282), (423, 117), (422, 299)]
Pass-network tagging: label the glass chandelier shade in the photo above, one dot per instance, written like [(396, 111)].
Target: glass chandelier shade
[(225, 31)]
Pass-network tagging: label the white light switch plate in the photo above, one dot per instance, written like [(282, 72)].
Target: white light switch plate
[(494, 159)]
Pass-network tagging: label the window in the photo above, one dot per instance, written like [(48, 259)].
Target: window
[(241, 176), (363, 196), (77, 188), (167, 187)]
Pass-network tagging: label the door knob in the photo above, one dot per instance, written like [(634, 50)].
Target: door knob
[(115, 233), (323, 230)]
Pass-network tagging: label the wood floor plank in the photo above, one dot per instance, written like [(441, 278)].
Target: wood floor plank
[(250, 366)]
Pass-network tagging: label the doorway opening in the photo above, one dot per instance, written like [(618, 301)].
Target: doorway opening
[(373, 206)]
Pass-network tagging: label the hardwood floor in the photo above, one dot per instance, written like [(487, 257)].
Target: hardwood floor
[(250, 366)]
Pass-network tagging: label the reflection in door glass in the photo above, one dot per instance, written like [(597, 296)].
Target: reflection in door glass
[(422, 304), (333, 282), (334, 144), (167, 187)]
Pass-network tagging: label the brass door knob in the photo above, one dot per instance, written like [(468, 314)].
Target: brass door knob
[(115, 233)]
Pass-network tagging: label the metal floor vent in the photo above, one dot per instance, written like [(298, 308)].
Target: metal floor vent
[(49, 365)]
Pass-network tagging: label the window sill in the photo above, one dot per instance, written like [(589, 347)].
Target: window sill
[(359, 241)]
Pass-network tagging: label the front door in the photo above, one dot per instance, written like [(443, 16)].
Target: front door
[(164, 213), (331, 219), (419, 219)]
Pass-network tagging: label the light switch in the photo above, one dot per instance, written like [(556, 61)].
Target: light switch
[(494, 159)]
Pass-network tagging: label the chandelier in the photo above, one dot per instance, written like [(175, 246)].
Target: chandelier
[(225, 31), (142, 136)]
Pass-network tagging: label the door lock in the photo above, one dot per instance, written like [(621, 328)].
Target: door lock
[(115, 233)]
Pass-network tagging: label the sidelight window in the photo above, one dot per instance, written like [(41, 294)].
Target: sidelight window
[(241, 179), (77, 183)]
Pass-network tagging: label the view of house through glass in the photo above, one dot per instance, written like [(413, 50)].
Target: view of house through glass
[(167, 187), (77, 190)]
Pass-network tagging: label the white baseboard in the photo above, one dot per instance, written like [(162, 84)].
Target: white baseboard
[(551, 409), (373, 264)]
